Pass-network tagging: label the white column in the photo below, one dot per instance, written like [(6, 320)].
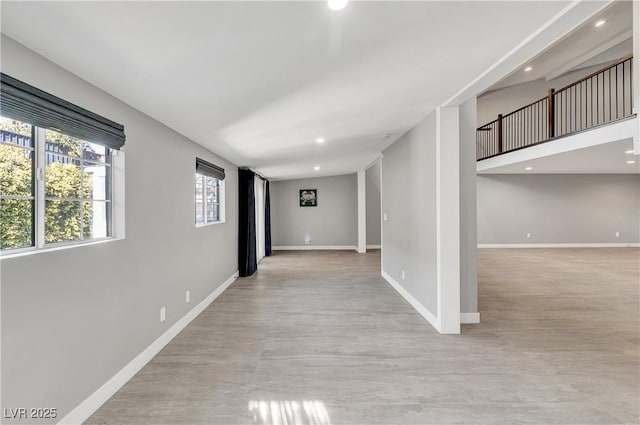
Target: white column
[(468, 214), (362, 213), (448, 218), (259, 206), (381, 218), (636, 73)]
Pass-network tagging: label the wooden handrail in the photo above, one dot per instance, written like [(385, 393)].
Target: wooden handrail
[(574, 108), (624, 59), (524, 107), (575, 83), (486, 125)]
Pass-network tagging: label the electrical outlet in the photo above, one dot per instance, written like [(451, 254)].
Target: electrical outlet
[(187, 296), (163, 314), (528, 235), (617, 234), (403, 275)]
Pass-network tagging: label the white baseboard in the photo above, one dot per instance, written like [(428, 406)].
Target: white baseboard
[(374, 246), (315, 248), (558, 245), (469, 318), (92, 403), (433, 320)]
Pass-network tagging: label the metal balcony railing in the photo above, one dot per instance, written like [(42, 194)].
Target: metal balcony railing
[(599, 98)]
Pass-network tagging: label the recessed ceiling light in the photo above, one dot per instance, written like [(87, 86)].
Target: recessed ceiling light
[(631, 162), (316, 168), (629, 152), (600, 23), (528, 168), (527, 69), (337, 4), (320, 140)]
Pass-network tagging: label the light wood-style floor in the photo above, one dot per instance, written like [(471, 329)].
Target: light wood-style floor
[(321, 338)]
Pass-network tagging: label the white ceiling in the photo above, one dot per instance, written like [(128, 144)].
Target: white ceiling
[(607, 158), (583, 47), (257, 82)]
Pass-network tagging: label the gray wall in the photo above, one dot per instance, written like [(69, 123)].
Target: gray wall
[(408, 199), (372, 185), (333, 222), (468, 219), (566, 208), (73, 318)]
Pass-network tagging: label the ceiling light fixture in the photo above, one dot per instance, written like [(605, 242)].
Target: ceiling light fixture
[(320, 140), (528, 168), (337, 4), (527, 69), (631, 162), (629, 152), (600, 23), (316, 168)]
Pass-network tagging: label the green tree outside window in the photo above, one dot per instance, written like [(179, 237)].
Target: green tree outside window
[(65, 219)]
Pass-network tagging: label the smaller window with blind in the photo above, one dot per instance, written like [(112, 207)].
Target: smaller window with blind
[(209, 200)]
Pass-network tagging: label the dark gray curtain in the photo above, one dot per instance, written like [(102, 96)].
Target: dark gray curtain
[(267, 220), (247, 258)]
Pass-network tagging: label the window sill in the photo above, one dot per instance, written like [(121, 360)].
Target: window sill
[(209, 224), (23, 252)]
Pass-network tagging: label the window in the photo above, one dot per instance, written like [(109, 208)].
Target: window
[(17, 191), (55, 180), (75, 186), (209, 200)]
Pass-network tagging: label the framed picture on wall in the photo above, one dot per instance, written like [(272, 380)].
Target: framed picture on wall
[(308, 197)]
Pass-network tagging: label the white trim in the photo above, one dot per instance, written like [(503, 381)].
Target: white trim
[(381, 224), (559, 245), (374, 246), (22, 252), (315, 248), (373, 161), (92, 403), (211, 223), (606, 133), (118, 195), (470, 318), (636, 54), (438, 220), (40, 151), (424, 312), (362, 213), (636, 75), (259, 184)]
